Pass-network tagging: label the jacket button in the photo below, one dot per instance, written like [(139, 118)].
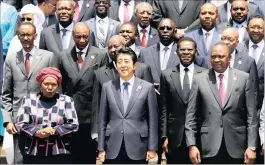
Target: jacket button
[(121, 132), (221, 126)]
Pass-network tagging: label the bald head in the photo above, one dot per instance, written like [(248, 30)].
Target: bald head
[(166, 21), (81, 26), (209, 5), (81, 35), (115, 43), (230, 38), (117, 39)]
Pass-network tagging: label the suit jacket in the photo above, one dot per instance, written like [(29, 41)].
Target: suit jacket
[(199, 38), (137, 126), (151, 56), (17, 84), (244, 47), (262, 123), (153, 38), (87, 11), (79, 84), (113, 29), (236, 122), (169, 9), (172, 120), (52, 20), (222, 11), (137, 50)]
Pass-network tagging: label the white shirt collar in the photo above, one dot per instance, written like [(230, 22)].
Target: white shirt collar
[(233, 54), (106, 19), (211, 31), (131, 3), (162, 46), (131, 81), (83, 51), (225, 73), (260, 44), (32, 52), (190, 67), (68, 28), (133, 47), (148, 28), (243, 24)]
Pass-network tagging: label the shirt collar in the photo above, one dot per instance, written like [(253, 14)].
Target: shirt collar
[(211, 31), (83, 51), (190, 67), (106, 19), (68, 28), (260, 44), (225, 73), (243, 24), (133, 47), (233, 54), (131, 3), (32, 52), (131, 81), (162, 46), (148, 28)]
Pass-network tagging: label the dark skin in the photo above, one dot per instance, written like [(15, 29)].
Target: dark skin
[(208, 16), (144, 16), (81, 35), (115, 43), (256, 30), (220, 58), (186, 52), (65, 12), (128, 31), (166, 31), (102, 8), (239, 11)]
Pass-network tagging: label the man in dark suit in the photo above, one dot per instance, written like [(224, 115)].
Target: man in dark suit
[(175, 87), (162, 55), (101, 25), (77, 67), (208, 34), (148, 35), (20, 73), (128, 116), (84, 10), (222, 114), (58, 37), (48, 7)]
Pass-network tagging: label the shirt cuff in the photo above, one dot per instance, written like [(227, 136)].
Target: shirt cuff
[(94, 136)]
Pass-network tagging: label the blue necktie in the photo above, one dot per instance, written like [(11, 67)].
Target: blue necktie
[(125, 97)]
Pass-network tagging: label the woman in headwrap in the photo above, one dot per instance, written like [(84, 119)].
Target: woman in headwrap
[(47, 119), (34, 15)]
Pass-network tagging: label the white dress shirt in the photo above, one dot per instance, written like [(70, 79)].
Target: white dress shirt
[(258, 49), (241, 29), (131, 81), (121, 10), (66, 39), (210, 36), (133, 47), (225, 79), (233, 55), (164, 56), (141, 34), (182, 73), (105, 27), (32, 53), (84, 51)]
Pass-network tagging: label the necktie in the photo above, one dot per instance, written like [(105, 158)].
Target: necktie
[(80, 59), (125, 97), (207, 40), (165, 59), (221, 89), (126, 13), (144, 40), (101, 34), (186, 85), (76, 14), (254, 52), (27, 64), (64, 40)]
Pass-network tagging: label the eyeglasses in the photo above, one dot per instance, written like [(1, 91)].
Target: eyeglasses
[(164, 27), (25, 35), (28, 19), (53, 6)]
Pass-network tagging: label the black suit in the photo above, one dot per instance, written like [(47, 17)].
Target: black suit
[(79, 84), (172, 119)]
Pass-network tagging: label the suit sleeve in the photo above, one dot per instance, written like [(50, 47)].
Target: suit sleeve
[(147, 74), (153, 119), (95, 106), (163, 114), (42, 44), (254, 76), (7, 94), (157, 13), (191, 116), (104, 59), (262, 123), (252, 120)]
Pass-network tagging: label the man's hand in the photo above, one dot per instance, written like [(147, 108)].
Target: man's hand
[(49, 130), (165, 145), (101, 156), (194, 154), (180, 33), (41, 134), (10, 128), (249, 156), (150, 155)]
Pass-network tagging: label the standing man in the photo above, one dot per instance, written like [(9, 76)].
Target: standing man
[(20, 73), (58, 37), (48, 7), (175, 87), (78, 66), (128, 116), (222, 113)]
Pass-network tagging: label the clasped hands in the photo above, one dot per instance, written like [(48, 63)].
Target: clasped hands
[(45, 133)]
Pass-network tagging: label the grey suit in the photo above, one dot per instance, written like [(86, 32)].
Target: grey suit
[(87, 11), (234, 125), (113, 29), (17, 84), (52, 19), (137, 127), (262, 123), (153, 38)]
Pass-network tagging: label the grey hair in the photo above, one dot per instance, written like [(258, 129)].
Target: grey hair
[(73, 2), (142, 4)]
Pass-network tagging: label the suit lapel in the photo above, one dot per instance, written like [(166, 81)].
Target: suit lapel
[(110, 29), (110, 71), (136, 89), (83, 10), (117, 94), (72, 58), (213, 86), (184, 5), (225, 12), (176, 5), (151, 36), (57, 37), (175, 76), (35, 61), (201, 43), (20, 62), (155, 54), (214, 40), (172, 57), (238, 60), (261, 59), (232, 79)]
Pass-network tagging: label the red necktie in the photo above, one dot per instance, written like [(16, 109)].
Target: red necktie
[(27, 64), (126, 14), (221, 89), (80, 59), (144, 40), (76, 14)]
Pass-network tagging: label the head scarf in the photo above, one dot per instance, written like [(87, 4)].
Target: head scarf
[(49, 72)]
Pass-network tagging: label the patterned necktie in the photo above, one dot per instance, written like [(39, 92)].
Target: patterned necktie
[(254, 52), (80, 59), (125, 97), (144, 40), (27, 64), (64, 41), (207, 40), (221, 90), (76, 14), (101, 34), (165, 59), (126, 13), (186, 85)]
